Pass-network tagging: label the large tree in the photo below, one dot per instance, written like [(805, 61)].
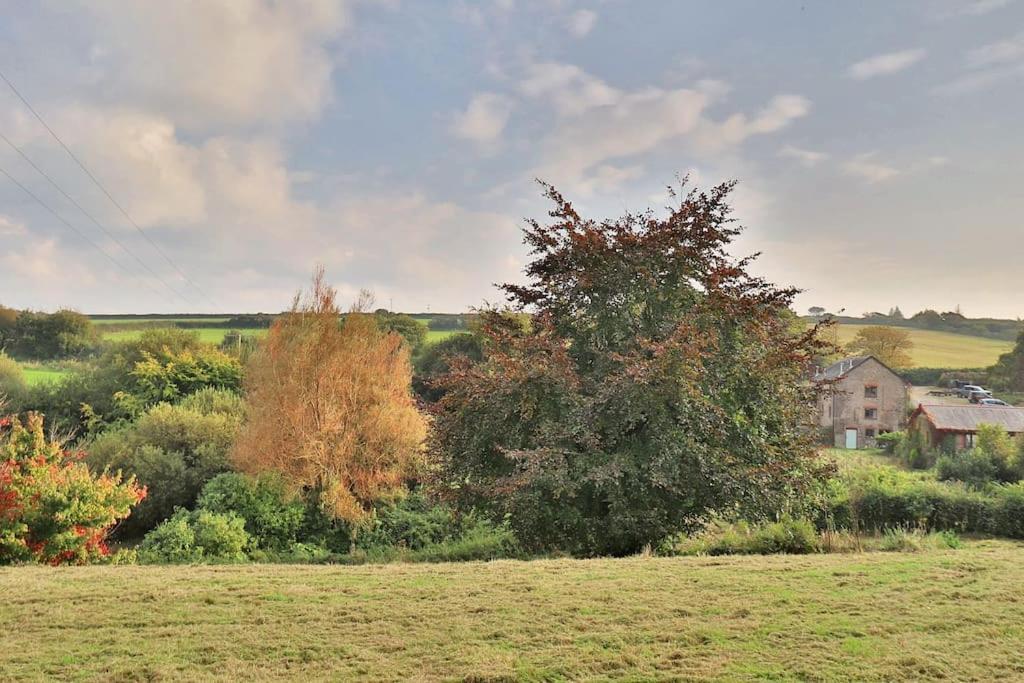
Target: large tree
[(1008, 372), (330, 407), (890, 345), (655, 383)]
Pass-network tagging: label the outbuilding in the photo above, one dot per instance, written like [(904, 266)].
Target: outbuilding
[(958, 425)]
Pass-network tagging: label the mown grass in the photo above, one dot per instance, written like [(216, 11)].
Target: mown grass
[(942, 349), (953, 614)]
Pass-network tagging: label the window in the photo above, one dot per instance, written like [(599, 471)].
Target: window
[(871, 413), (869, 433), (969, 440), (870, 391)]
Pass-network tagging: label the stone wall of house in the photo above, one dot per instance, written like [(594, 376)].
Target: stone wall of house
[(851, 403)]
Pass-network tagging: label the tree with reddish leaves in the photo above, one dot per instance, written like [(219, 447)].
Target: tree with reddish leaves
[(657, 383), (52, 508)]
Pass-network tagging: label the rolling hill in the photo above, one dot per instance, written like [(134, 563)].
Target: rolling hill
[(942, 349)]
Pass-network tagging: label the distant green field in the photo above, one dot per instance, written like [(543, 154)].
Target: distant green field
[(434, 336), (942, 349), (132, 321), (212, 335), (39, 375)]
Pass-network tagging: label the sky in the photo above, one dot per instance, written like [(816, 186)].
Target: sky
[(878, 145)]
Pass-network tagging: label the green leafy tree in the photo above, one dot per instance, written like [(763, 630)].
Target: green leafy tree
[(435, 361), (46, 336), (656, 384), (1008, 372), (52, 508), (413, 332)]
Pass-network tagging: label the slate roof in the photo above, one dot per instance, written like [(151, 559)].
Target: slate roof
[(840, 368), (968, 418)]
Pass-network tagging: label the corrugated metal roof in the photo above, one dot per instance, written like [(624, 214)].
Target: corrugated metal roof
[(840, 368), (967, 418)]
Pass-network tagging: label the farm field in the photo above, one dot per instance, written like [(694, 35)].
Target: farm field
[(951, 614), (35, 374), (943, 349), (134, 321), (213, 335)]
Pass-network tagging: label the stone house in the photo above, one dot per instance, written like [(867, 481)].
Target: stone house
[(958, 425), (862, 398)]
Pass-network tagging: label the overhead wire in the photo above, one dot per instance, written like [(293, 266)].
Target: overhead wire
[(104, 190)]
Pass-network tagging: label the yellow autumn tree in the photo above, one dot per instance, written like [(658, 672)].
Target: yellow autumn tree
[(330, 406), (890, 345)]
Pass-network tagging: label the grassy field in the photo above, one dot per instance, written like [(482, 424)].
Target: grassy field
[(953, 614), (37, 374), (943, 349), (133, 321), (213, 335)]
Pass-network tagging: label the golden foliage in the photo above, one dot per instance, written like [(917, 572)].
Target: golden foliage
[(890, 345), (330, 405)]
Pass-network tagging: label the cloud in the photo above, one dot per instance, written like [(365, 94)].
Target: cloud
[(600, 125), (806, 157), (217, 62), (988, 66), (883, 65), (779, 113), (11, 228), (572, 90), (978, 8), (484, 119), (1000, 52), (581, 22), (865, 167)]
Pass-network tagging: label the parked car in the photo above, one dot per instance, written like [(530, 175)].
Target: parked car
[(979, 396), (992, 402), (965, 390)]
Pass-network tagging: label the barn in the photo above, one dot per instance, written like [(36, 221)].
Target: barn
[(940, 423)]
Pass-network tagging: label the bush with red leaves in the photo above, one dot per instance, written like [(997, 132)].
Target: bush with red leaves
[(53, 510)]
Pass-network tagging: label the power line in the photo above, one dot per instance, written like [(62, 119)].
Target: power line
[(91, 218), (104, 189), (81, 234)]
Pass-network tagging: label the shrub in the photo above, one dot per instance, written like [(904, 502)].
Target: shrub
[(130, 377), (273, 518), (914, 450), (787, 536), (12, 379), (199, 536), (412, 523), (879, 498), (52, 509), (1008, 511), (914, 540), (974, 467), (172, 449), (480, 541), (891, 442)]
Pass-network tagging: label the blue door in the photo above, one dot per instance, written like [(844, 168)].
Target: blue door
[(851, 438)]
